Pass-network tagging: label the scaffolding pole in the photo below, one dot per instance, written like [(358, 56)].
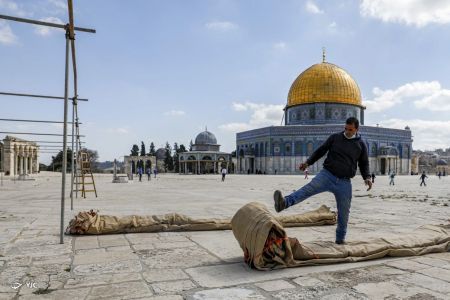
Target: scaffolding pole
[(34, 133), (64, 164), (51, 142), (33, 121), (38, 96), (35, 22)]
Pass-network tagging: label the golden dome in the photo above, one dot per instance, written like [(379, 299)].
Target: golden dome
[(324, 82)]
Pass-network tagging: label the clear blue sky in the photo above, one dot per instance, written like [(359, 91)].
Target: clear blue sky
[(163, 70)]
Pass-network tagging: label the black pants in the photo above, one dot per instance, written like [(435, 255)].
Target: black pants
[(223, 177)]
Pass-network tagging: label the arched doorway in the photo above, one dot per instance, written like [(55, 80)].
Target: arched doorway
[(133, 167), (207, 165)]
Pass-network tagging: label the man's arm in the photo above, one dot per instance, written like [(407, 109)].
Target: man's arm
[(363, 163), (321, 151)]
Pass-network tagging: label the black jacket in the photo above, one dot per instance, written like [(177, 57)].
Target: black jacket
[(344, 155)]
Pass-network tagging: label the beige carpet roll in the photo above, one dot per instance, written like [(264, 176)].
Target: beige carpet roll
[(90, 222), (266, 245)]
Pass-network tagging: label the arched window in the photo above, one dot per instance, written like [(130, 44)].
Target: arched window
[(287, 149), (298, 148), (309, 148), (374, 149), (276, 148)]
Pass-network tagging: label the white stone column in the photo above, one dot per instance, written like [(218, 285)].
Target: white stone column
[(386, 168), (20, 165), (15, 164), (25, 164)]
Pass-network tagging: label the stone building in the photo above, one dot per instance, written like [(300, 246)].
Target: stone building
[(160, 157), (131, 163), (430, 162), (318, 103), (18, 157), (442, 167), (205, 156)]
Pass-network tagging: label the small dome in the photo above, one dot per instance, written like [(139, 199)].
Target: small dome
[(161, 153), (324, 82), (407, 128), (205, 138), (441, 162)]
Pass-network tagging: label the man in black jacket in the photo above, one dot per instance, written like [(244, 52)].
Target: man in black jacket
[(346, 151)]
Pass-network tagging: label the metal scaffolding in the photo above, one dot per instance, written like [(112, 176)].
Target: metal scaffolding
[(70, 45)]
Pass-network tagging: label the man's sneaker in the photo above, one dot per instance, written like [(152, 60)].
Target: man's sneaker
[(340, 242), (279, 202)]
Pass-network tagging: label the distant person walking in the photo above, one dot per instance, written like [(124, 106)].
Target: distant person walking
[(140, 173), (439, 174), (149, 174), (373, 177), (224, 173), (155, 171), (392, 176), (422, 177), (306, 173)]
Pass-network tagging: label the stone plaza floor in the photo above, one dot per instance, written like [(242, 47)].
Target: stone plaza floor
[(209, 265)]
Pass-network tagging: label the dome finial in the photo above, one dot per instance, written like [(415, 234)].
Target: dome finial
[(323, 54)]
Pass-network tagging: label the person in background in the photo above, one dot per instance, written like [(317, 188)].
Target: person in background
[(224, 173), (392, 176), (422, 177)]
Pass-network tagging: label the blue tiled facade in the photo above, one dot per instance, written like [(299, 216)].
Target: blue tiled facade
[(280, 149)]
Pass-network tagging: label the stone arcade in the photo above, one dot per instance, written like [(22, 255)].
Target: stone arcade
[(18, 157)]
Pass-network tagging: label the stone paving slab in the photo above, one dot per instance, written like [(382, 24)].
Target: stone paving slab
[(209, 265), (127, 266), (157, 275), (85, 281), (123, 290), (222, 244), (240, 273), (113, 256), (275, 285), (427, 282)]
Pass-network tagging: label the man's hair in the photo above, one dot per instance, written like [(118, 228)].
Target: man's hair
[(354, 121)]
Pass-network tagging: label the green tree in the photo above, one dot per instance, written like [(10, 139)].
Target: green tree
[(93, 158), (152, 149), (168, 160), (142, 149), (135, 150), (57, 162), (176, 157)]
